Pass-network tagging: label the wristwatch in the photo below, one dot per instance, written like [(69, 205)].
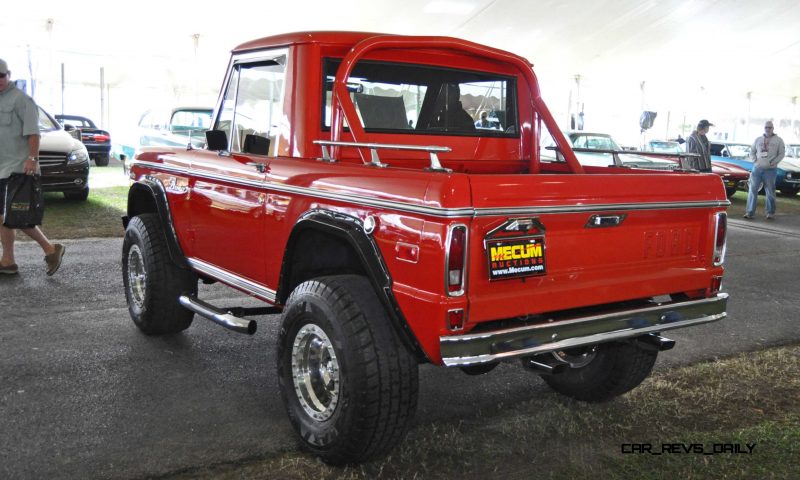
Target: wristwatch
[(31, 157)]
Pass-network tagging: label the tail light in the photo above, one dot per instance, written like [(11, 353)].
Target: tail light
[(720, 238), (101, 138), (716, 285), (455, 260), (455, 319)]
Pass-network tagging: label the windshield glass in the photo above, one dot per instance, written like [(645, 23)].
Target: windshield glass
[(593, 141), (184, 122), (738, 150), (665, 147), (45, 122), (404, 98)]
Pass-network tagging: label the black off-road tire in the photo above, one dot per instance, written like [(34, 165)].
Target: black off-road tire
[(153, 282), (364, 381), (730, 191), (102, 159), (616, 368)]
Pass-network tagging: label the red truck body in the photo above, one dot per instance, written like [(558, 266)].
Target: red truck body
[(481, 251)]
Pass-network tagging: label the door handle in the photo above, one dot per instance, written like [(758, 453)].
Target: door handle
[(261, 167), (603, 221)]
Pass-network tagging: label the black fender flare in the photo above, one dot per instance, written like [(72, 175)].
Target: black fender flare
[(350, 230), (155, 193)]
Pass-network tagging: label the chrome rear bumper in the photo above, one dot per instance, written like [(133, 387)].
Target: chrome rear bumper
[(493, 346)]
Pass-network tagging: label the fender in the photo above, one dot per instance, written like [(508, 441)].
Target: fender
[(148, 195), (349, 230)]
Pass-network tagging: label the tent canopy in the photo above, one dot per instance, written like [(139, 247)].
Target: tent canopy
[(690, 57)]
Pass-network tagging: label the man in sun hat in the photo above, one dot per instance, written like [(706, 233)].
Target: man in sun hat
[(697, 143)]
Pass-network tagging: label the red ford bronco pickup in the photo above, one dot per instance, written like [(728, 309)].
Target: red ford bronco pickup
[(348, 184)]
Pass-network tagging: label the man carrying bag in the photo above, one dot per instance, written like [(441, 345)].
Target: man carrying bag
[(19, 154)]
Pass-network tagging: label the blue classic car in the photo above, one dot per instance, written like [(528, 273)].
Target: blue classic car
[(788, 181), (176, 127)]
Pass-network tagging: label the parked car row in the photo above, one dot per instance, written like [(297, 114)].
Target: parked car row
[(63, 159), (69, 142), (788, 179), (184, 126), (733, 176), (605, 155), (97, 141), (610, 153)]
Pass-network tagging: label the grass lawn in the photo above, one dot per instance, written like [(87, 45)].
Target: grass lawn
[(98, 216), (751, 399), (784, 205)]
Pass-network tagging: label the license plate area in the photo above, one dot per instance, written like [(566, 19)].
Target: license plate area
[(516, 257)]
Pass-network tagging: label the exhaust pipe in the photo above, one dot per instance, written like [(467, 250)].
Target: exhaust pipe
[(654, 341), (226, 319), (542, 367)]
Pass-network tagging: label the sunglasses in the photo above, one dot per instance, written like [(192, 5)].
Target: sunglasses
[(3, 75), (768, 128)]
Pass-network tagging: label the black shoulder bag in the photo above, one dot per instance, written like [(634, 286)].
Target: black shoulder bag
[(24, 202)]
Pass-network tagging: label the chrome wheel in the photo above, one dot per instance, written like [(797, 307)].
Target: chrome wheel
[(315, 372), (576, 357), (137, 276)]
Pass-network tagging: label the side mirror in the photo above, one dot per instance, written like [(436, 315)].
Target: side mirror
[(255, 144), (68, 127), (216, 140)]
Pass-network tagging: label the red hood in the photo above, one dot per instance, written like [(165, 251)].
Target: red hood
[(724, 169)]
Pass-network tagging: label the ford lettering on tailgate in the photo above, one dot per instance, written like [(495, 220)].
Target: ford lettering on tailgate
[(515, 257)]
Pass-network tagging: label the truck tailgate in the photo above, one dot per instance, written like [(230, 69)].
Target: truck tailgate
[(588, 240)]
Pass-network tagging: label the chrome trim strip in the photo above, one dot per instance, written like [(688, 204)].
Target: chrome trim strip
[(535, 210), (233, 280), (437, 211), (317, 193), (484, 347)]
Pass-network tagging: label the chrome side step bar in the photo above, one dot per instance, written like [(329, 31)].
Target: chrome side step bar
[(226, 319)]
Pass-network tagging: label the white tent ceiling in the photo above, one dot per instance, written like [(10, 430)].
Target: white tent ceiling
[(697, 53)]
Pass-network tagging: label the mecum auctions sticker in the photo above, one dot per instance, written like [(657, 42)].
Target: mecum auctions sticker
[(515, 257)]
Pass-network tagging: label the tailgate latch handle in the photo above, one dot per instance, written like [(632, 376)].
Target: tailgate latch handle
[(603, 221)]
